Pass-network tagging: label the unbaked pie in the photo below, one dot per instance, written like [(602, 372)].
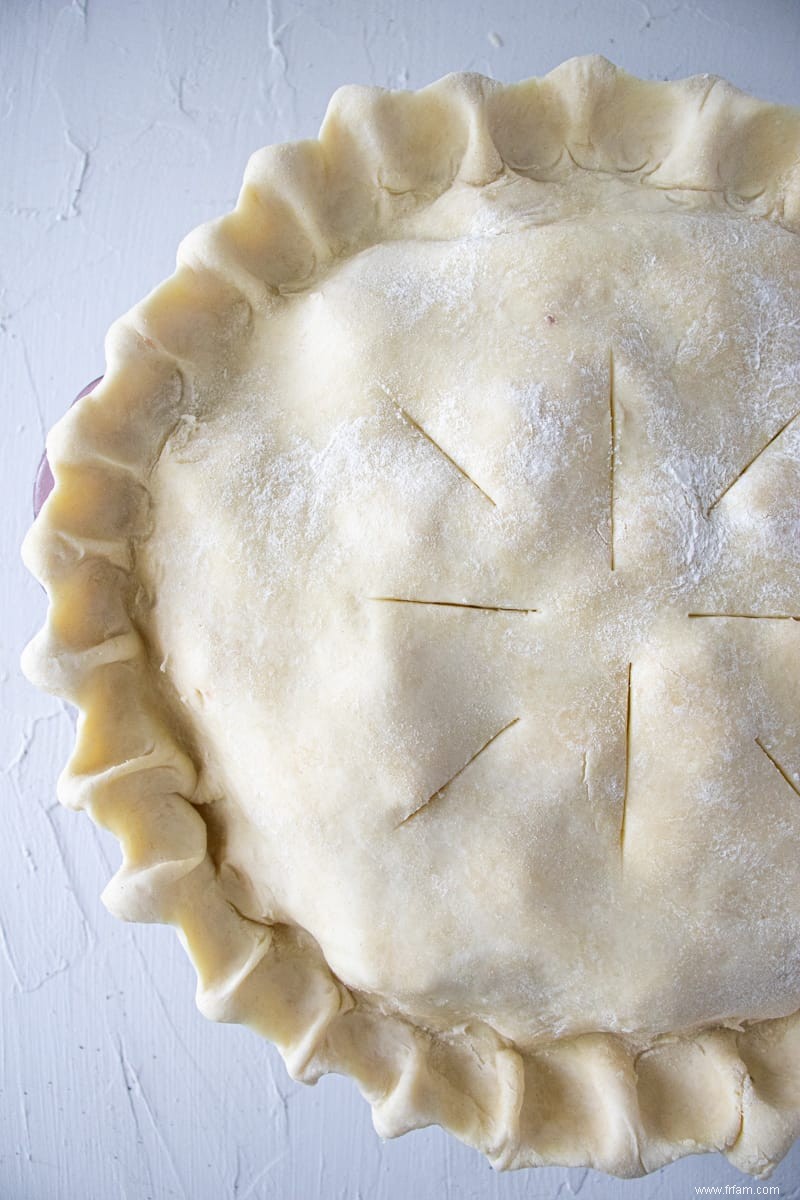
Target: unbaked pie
[(426, 571)]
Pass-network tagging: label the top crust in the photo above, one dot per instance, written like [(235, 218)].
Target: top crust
[(388, 166)]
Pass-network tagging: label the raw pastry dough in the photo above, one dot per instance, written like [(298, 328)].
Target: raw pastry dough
[(426, 572)]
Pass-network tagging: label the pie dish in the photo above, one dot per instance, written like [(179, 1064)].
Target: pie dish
[(425, 571)]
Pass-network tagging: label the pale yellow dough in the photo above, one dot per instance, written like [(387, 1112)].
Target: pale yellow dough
[(427, 568)]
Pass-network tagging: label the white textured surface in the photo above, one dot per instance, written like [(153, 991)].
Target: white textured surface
[(122, 125)]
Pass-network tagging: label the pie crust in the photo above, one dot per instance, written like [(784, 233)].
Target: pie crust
[(425, 572)]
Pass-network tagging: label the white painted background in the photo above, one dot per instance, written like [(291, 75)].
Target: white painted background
[(124, 123)]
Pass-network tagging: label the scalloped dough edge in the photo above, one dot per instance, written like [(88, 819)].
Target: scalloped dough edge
[(594, 1100)]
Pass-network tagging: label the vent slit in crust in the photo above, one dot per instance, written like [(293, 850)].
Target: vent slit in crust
[(626, 777), (432, 441), (753, 460), (784, 774), (451, 604), (437, 795)]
